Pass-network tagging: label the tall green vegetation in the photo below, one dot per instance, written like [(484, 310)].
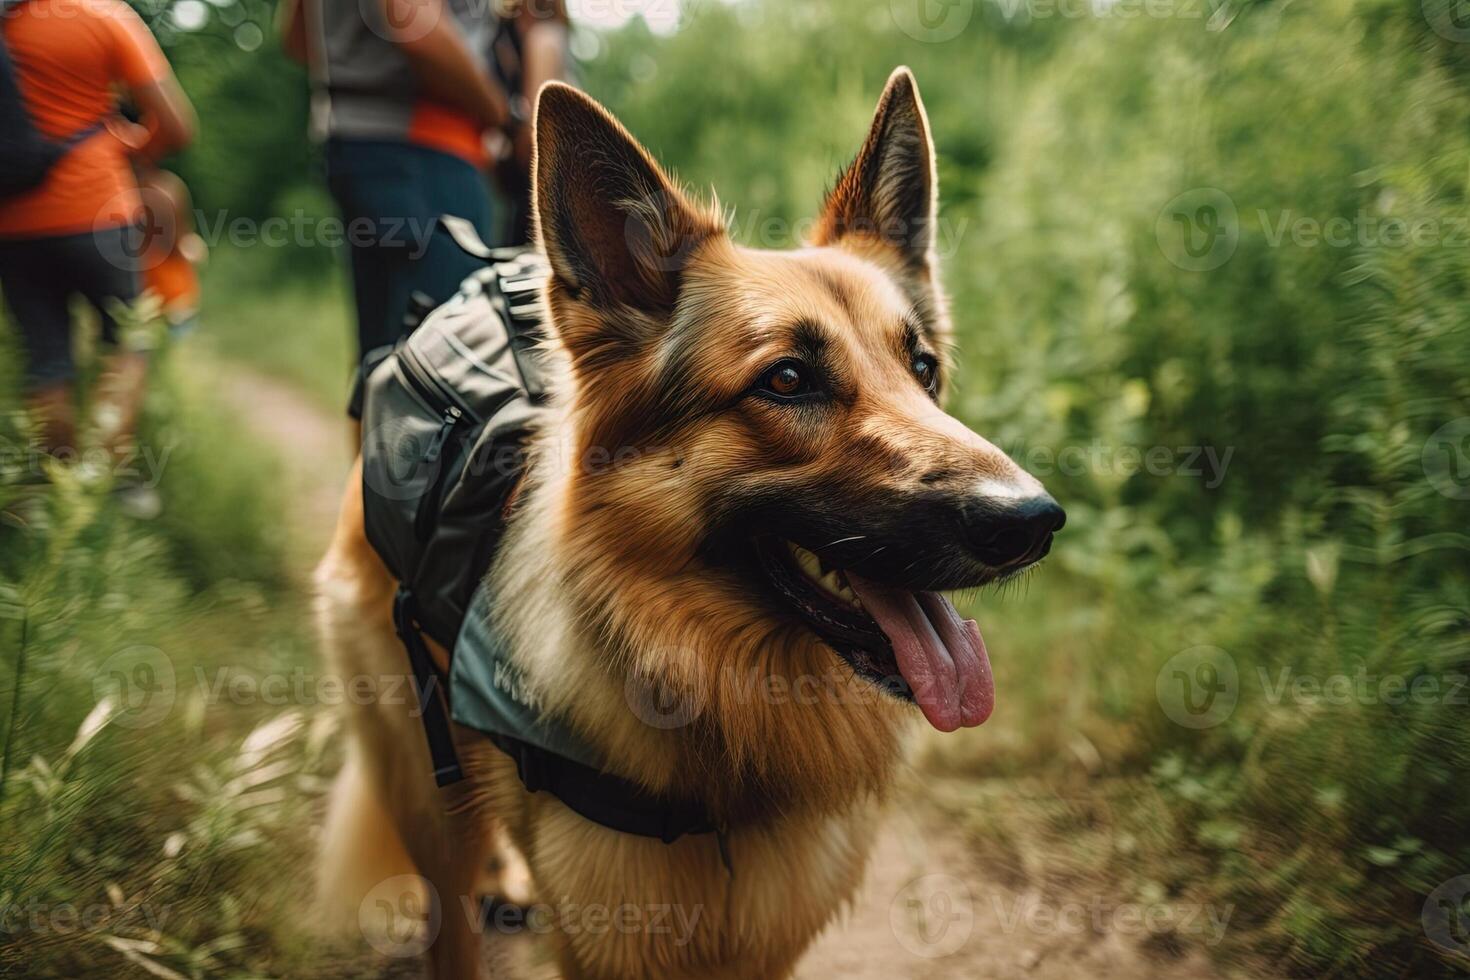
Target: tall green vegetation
[(1209, 277), (151, 786), (1323, 342)]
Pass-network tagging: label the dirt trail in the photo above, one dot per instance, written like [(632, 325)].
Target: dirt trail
[(314, 450), (927, 909)]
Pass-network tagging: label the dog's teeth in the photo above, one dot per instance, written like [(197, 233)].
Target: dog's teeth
[(809, 563), (831, 581)]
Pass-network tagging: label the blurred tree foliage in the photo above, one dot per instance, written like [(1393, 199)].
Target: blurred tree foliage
[(252, 158), (251, 150)]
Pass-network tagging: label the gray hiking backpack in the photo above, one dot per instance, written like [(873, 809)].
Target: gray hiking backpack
[(446, 415)]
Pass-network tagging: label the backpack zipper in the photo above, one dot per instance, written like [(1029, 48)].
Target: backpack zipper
[(452, 417), (424, 381), (427, 511)]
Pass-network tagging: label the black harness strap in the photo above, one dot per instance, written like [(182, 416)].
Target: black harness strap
[(601, 797), (428, 683)]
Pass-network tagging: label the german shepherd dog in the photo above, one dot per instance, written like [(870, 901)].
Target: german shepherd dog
[(785, 504)]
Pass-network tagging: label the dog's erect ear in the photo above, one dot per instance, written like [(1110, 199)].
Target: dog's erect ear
[(888, 193), (615, 229)]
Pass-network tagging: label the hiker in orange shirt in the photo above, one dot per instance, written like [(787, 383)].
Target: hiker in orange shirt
[(69, 203)]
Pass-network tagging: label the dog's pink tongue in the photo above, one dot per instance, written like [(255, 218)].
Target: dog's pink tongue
[(941, 656)]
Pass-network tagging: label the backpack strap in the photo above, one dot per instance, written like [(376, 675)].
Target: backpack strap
[(428, 684), (7, 7), (519, 275), (27, 156), (466, 237), (601, 797), (521, 283)]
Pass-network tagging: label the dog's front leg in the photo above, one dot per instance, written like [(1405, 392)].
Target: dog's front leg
[(450, 861)]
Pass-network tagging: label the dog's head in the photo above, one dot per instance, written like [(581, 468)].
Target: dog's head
[(766, 465)]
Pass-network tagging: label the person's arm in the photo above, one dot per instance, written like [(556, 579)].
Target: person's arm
[(543, 55), (169, 115), (292, 26), (140, 66), (442, 61), (543, 59)]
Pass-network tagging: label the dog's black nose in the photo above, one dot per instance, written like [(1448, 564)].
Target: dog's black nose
[(1004, 534)]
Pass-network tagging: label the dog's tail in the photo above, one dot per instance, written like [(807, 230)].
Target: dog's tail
[(362, 853)]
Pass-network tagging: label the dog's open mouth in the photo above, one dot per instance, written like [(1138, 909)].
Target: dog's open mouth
[(914, 645)]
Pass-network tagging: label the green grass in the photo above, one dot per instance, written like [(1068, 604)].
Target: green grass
[(296, 328), (151, 794)]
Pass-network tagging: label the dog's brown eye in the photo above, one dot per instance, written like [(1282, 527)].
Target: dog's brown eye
[(786, 379), (926, 369)]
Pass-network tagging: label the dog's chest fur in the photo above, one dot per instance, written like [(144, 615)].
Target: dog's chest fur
[(627, 903)]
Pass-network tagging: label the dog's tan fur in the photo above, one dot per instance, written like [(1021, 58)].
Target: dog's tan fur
[(600, 588)]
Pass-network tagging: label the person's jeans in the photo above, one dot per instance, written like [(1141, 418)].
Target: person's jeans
[(391, 195)]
